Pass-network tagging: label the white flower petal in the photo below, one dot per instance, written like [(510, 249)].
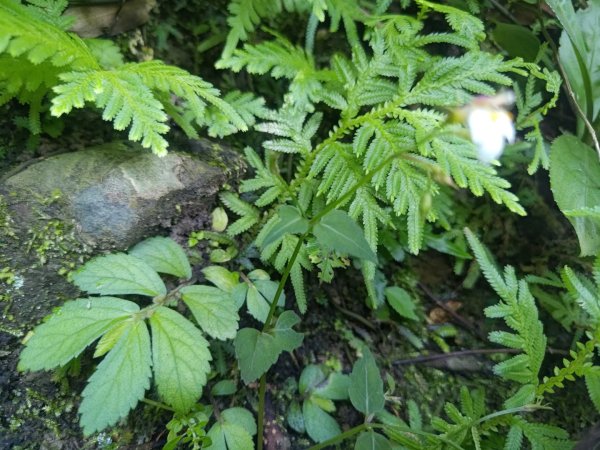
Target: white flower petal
[(490, 129)]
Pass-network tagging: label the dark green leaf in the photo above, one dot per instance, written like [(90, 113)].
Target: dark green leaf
[(181, 358), (256, 352), (401, 302), (575, 182), (517, 40), (320, 426), (295, 418), (71, 329), (337, 231), (213, 309), (260, 296), (290, 222), (164, 255), (369, 440), (366, 385), (119, 274), (285, 337), (335, 388), (310, 378), (119, 382)]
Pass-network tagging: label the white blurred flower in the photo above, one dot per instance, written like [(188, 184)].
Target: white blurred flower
[(490, 124)]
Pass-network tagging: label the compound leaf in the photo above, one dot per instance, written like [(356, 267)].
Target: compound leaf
[(164, 255), (213, 309), (119, 382), (181, 358), (71, 329), (119, 274)]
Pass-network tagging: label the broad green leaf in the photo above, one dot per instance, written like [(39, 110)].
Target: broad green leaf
[(335, 388), (369, 440), (224, 387), (319, 425), (221, 277), (295, 418), (575, 183), (233, 431), (213, 309), (238, 294), (260, 296), (401, 302), (310, 378), (290, 222), (256, 352), (119, 274), (517, 40), (366, 385), (164, 255), (71, 329), (229, 436), (286, 338), (337, 231), (119, 382), (241, 417), (181, 358)]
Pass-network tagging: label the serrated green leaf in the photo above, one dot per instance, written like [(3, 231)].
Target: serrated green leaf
[(181, 358), (110, 338), (256, 352), (221, 277), (213, 309), (119, 382), (164, 255), (319, 425), (575, 183), (592, 381), (71, 329), (119, 274), (366, 385), (290, 222), (369, 440), (401, 302), (337, 231)]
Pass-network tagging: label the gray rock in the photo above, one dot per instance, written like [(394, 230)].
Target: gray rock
[(116, 194)]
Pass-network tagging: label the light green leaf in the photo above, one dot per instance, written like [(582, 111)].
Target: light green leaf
[(213, 309), (337, 231), (259, 297), (295, 418), (119, 274), (366, 385), (164, 255), (256, 352), (401, 302), (71, 329), (241, 417), (335, 388), (221, 277), (319, 425), (369, 440), (233, 431), (286, 338), (119, 382), (290, 222), (181, 358), (229, 436), (111, 337), (575, 183), (224, 387)]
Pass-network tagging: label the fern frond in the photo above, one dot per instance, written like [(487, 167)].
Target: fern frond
[(249, 214), (37, 38)]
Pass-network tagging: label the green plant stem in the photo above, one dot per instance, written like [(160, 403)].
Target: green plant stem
[(157, 404)]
